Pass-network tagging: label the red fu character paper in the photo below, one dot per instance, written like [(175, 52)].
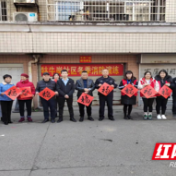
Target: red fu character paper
[(129, 90), (46, 93), (148, 91), (13, 92), (165, 91), (26, 92), (105, 89), (85, 99)]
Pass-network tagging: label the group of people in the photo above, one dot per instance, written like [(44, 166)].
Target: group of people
[(64, 88)]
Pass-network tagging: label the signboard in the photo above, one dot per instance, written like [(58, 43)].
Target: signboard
[(76, 69)]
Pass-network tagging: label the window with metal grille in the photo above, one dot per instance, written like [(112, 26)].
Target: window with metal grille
[(3, 10)]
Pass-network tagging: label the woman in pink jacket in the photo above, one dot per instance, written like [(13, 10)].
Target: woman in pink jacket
[(26, 100)]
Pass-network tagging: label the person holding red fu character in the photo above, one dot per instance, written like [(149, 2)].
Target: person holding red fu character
[(127, 101), (145, 82), (163, 79), (41, 85), (102, 98), (6, 102), (28, 92)]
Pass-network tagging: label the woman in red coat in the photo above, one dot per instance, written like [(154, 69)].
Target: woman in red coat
[(28, 100)]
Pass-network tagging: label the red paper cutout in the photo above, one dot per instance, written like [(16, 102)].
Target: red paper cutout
[(26, 92), (105, 89), (129, 90), (148, 91), (85, 99), (47, 93), (165, 91), (13, 92)]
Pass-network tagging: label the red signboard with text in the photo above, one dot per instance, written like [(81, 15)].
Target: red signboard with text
[(76, 69), (85, 59)]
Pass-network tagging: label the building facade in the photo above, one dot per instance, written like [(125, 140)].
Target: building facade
[(48, 35)]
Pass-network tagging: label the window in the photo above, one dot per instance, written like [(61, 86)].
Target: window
[(3, 10)]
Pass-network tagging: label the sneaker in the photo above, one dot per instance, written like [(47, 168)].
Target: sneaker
[(29, 119), (145, 116), (163, 116), (22, 119), (150, 116), (158, 116)]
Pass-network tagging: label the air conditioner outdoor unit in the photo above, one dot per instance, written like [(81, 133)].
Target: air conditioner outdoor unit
[(25, 16), (24, 1)]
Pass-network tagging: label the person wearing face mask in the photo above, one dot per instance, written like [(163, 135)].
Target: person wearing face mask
[(148, 102), (163, 79), (105, 99), (24, 82), (6, 102), (127, 101)]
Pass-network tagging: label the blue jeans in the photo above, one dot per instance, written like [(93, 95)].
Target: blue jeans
[(49, 104)]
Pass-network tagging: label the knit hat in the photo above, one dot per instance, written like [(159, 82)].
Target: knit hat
[(7, 76), (25, 75)]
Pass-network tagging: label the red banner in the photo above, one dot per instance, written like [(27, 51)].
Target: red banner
[(105, 89), (85, 59), (148, 91), (26, 92), (85, 99), (13, 92), (129, 90), (165, 91), (47, 93), (76, 69)]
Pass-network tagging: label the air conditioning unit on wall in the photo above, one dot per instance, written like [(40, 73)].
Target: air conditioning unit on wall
[(25, 16), (24, 1)]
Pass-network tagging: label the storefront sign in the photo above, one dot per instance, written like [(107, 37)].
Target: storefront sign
[(85, 59), (76, 69)]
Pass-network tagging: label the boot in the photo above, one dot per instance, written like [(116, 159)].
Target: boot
[(90, 118), (73, 119)]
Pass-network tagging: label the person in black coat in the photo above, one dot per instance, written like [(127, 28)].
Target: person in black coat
[(87, 86), (65, 87), (127, 101), (41, 85), (163, 79), (173, 86), (102, 98)]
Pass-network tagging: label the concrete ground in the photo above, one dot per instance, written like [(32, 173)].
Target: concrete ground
[(106, 148)]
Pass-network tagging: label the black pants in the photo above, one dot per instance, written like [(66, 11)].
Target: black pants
[(6, 108), (49, 104), (161, 104), (69, 105), (57, 104), (28, 106), (108, 100), (127, 107), (148, 103), (174, 105), (81, 110)]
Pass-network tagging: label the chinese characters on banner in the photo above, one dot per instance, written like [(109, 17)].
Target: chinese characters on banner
[(46, 93), (26, 92), (148, 91), (85, 99), (13, 92), (105, 89), (76, 69), (85, 59), (129, 90), (165, 91)]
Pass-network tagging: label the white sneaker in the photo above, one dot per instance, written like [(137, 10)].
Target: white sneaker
[(163, 117), (158, 116)]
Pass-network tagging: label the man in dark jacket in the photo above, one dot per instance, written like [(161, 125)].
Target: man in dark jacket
[(41, 85), (173, 86), (102, 98), (65, 87), (87, 86)]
